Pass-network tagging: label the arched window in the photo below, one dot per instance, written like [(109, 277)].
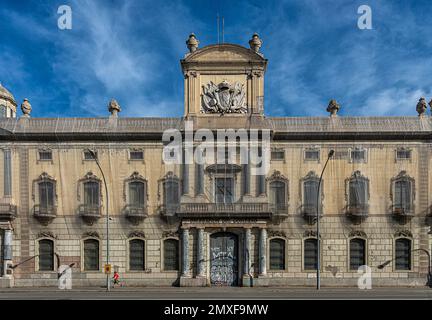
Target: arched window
[(357, 253), (91, 255), (46, 255), (403, 193), (137, 194), (277, 254), (310, 254), (171, 254), (3, 111), (136, 254), (91, 193), (46, 195), (278, 195), (403, 254)]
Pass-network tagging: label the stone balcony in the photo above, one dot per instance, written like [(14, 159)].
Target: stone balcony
[(135, 214), (90, 213), (45, 214), (225, 210), (403, 213), (8, 212), (357, 213), (309, 212)]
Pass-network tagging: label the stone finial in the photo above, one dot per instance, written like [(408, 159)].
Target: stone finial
[(255, 43), (192, 43), (430, 103), (333, 108), (421, 106), (114, 107), (26, 108)]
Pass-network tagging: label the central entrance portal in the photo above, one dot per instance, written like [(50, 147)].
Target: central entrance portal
[(223, 259)]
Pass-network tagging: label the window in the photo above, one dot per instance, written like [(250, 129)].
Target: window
[(46, 255), (136, 155), (310, 254), (358, 155), (136, 194), (403, 154), (136, 254), (224, 190), (278, 194), (46, 195), (402, 195), (357, 253), (312, 155), (89, 156), (277, 155), (277, 254), (403, 254), (357, 192), (171, 255), (171, 193), (91, 255), (310, 189), (45, 155), (3, 111), (91, 193)]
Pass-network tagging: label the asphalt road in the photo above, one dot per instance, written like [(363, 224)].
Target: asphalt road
[(212, 293)]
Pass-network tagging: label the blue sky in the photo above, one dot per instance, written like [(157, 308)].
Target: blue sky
[(130, 50)]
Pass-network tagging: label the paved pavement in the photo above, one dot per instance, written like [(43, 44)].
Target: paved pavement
[(213, 293)]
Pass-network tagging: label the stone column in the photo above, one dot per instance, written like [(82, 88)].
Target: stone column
[(7, 173), (200, 253), (263, 252), (185, 253), (7, 253), (199, 179), (247, 258)]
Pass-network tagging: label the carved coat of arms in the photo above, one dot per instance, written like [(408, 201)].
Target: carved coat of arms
[(224, 98)]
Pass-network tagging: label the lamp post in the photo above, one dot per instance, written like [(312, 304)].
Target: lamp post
[(429, 277), (93, 154), (318, 283)]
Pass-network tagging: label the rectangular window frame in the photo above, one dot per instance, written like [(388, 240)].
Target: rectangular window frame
[(46, 151), (411, 257), (402, 149), (89, 158), (310, 150), (358, 149), (136, 151), (129, 256), (279, 151)]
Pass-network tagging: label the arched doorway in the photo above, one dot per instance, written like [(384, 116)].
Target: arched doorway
[(223, 259)]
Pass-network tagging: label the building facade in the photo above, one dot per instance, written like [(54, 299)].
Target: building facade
[(215, 223)]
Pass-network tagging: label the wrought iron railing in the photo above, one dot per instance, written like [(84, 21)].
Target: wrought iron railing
[(227, 210), (403, 210), (90, 210), (41, 210)]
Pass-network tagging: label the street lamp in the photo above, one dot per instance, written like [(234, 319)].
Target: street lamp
[(429, 277), (93, 155), (318, 283)]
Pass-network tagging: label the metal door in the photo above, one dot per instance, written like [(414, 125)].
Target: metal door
[(224, 259)]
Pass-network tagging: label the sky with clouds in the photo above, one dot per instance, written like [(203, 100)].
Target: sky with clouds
[(130, 50)]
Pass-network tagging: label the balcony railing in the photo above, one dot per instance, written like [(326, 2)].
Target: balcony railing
[(225, 210), (45, 214), (90, 213), (402, 211), (357, 213), (309, 212), (8, 211), (135, 214)]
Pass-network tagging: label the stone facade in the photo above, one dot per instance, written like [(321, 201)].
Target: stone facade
[(248, 223)]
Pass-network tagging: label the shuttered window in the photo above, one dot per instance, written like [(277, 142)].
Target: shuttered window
[(136, 194), (171, 255), (46, 255), (45, 155), (277, 254), (46, 194), (403, 254), (312, 155), (136, 255), (357, 192), (278, 194), (357, 253), (310, 254), (310, 188), (171, 193), (402, 196), (91, 193), (2, 111), (91, 255)]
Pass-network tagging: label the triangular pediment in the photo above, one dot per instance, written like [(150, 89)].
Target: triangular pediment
[(223, 53)]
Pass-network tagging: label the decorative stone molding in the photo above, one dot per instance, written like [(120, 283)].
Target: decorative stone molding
[(277, 175), (224, 98), (357, 234), (276, 233), (402, 176), (26, 108), (91, 234), (192, 43), (43, 178), (421, 106), (169, 176), (89, 176), (46, 234), (309, 234), (137, 234), (255, 43), (333, 108), (170, 234), (403, 234), (357, 175), (135, 176)]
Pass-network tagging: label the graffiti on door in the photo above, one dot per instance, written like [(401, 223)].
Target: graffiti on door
[(223, 256)]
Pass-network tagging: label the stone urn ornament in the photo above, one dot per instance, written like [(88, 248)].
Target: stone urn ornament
[(114, 107), (421, 106), (26, 108), (192, 43), (333, 108), (255, 43)]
